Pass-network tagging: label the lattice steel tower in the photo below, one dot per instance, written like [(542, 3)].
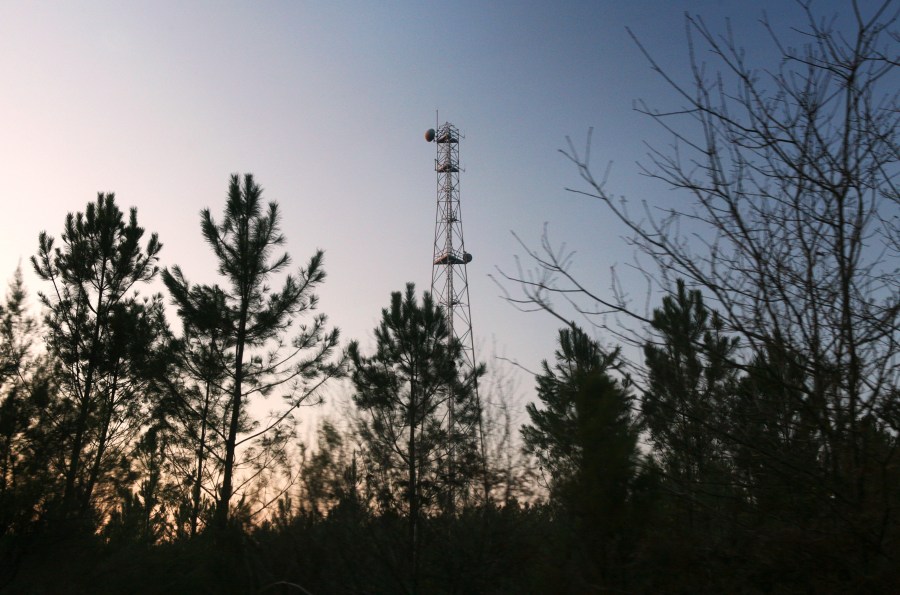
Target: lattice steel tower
[(449, 282)]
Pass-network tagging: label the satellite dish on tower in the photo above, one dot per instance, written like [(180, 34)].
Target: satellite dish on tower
[(429, 135)]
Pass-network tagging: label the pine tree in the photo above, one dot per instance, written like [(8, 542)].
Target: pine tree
[(23, 474), (248, 316), (585, 439), (96, 327), (403, 392), (689, 399)]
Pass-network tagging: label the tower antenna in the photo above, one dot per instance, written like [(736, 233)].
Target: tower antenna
[(449, 279)]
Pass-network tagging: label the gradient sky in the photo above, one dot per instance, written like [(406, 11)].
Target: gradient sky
[(326, 104)]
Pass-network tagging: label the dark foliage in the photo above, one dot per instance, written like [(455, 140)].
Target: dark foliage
[(418, 416)]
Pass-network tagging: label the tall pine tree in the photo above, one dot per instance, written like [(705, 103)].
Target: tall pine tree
[(585, 439), (249, 316), (404, 392), (93, 316)]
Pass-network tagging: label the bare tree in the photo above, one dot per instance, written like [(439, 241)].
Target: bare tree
[(789, 229)]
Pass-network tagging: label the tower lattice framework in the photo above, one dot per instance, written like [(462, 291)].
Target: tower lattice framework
[(450, 287), (449, 281)]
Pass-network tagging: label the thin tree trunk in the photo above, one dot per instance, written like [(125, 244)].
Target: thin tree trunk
[(413, 490), (101, 446), (195, 504), (226, 492)]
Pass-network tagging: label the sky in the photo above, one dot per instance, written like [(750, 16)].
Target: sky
[(326, 103)]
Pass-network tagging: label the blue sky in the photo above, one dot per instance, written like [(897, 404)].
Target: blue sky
[(326, 103)]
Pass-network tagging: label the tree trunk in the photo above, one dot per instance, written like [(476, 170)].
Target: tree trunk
[(195, 496), (225, 493), (413, 490), (101, 446)]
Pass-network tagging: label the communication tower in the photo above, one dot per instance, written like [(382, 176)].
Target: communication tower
[(449, 282)]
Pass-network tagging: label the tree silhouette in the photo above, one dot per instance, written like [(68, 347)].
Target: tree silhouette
[(689, 397), (403, 393), (789, 179), (585, 438), (247, 315), (24, 386), (91, 314)]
